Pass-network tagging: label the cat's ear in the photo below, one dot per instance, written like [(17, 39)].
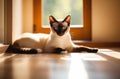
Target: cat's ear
[(67, 19), (52, 19)]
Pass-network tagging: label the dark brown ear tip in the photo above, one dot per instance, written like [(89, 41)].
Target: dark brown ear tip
[(69, 15), (67, 19), (50, 16)]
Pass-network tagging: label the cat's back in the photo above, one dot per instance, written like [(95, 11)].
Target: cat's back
[(32, 40), (35, 36)]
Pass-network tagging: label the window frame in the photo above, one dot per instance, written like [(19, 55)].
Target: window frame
[(76, 33)]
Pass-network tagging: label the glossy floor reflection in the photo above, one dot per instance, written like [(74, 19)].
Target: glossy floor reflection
[(102, 65)]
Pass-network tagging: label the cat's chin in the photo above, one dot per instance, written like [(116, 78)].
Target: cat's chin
[(60, 34)]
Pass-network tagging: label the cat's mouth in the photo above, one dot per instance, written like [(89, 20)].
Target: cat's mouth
[(60, 34)]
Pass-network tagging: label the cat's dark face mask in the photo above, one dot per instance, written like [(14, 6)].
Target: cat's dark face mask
[(60, 27)]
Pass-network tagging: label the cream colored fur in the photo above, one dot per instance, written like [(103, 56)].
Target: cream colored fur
[(45, 42)]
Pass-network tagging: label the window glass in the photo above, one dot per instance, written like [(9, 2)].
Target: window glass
[(60, 9)]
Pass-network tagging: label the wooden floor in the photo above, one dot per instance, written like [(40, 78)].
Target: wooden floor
[(103, 65)]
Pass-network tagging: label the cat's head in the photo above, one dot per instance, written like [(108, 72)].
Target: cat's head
[(60, 27)]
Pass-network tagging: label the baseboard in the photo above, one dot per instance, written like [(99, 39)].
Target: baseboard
[(98, 44)]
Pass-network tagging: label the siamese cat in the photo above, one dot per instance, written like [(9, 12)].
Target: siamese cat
[(58, 41)]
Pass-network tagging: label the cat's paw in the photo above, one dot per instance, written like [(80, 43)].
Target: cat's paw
[(64, 52), (60, 51), (39, 50), (94, 50)]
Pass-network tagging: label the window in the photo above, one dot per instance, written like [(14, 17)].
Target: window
[(60, 9), (76, 32)]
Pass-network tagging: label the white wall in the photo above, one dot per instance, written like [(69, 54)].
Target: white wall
[(17, 19), (106, 20), (1, 21), (22, 17)]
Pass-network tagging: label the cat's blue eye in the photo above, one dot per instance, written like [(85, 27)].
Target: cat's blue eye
[(56, 28), (63, 28)]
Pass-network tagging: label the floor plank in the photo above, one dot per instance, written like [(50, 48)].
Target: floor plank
[(102, 65)]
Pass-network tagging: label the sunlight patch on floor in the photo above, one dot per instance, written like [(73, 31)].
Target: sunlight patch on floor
[(92, 57), (86, 57), (111, 53), (77, 68)]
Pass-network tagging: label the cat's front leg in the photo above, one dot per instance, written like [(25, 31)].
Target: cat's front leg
[(84, 49), (60, 51)]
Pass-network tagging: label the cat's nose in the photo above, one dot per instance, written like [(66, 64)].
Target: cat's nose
[(60, 33)]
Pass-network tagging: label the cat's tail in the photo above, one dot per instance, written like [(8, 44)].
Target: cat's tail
[(18, 50)]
